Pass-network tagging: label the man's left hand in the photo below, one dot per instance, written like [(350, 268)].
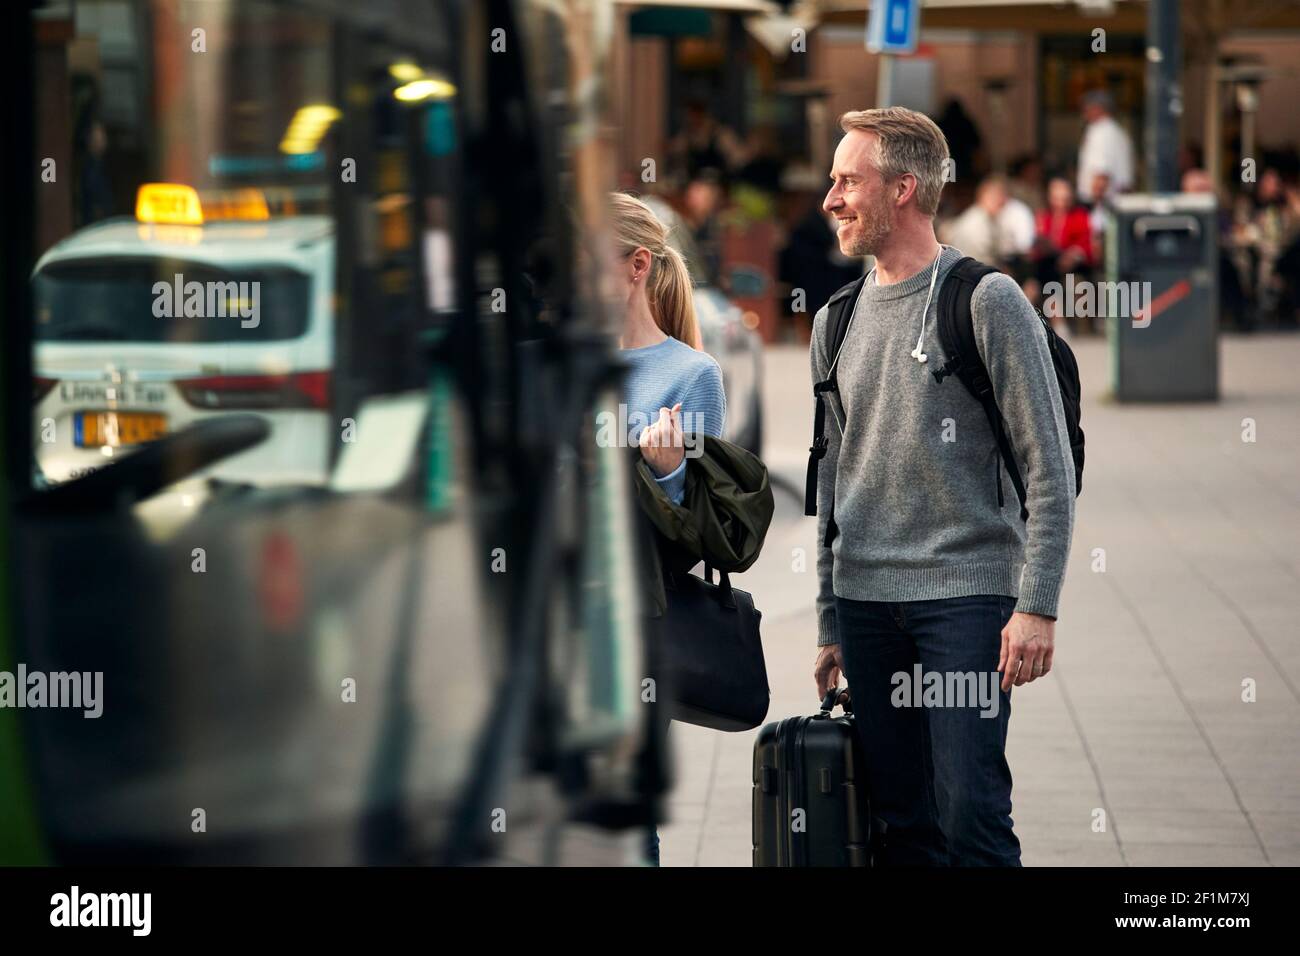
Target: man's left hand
[(1027, 645)]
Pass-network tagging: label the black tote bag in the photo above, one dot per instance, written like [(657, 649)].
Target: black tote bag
[(714, 653)]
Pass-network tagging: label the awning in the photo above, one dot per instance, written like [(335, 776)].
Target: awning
[(835, 6), (721, 6)]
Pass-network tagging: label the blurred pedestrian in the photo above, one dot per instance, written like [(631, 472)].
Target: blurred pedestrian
[(1272, 228), (1016, 233), (701, 205), (704, 143), (1287, 267), (1099, 189), (1234, 304), (1105, 149), (1196, 180), (1064, 243), (811, 262), (1026, 181), (94, 192), (985, 232), (963, 138), (761, 164), (1063, 229)]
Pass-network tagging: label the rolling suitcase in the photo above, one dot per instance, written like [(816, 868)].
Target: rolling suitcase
[(810, 792)]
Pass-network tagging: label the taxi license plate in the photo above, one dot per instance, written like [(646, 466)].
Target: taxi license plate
[(117, 429)]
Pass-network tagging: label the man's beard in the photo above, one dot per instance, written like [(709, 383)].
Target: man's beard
[(874, 227)]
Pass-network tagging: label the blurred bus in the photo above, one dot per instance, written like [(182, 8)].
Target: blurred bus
[(390, 611)]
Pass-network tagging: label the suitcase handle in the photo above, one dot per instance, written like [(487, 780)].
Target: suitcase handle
[(828, 703)]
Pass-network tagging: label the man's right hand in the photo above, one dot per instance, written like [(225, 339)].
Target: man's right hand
[(827, 670)]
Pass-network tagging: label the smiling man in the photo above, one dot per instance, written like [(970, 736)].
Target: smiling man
[(920, 564)]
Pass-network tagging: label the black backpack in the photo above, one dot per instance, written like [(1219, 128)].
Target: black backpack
[(957, 335)]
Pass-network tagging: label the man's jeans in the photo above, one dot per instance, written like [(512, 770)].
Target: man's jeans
[(938, 775)]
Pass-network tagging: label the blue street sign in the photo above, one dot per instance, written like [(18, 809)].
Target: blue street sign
[(892, 26)]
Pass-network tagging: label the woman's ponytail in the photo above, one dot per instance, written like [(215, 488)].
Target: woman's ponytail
[(671, 300)]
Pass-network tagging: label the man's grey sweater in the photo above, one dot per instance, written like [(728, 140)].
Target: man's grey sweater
[(910, 467)]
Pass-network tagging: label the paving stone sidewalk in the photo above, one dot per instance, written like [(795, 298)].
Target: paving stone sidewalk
[(1143, 715)]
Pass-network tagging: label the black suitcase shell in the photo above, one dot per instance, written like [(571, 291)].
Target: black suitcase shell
[(812, 764)]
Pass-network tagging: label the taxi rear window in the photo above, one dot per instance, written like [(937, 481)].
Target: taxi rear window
[(155, 300)]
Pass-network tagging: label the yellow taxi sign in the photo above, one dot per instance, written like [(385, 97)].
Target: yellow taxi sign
[(171, 203)]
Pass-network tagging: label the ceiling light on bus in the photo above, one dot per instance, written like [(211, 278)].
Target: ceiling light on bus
[(307, 128), (424, 89), (170, 203), (405, 71)]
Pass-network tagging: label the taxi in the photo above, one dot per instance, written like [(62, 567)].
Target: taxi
[(196, 307)]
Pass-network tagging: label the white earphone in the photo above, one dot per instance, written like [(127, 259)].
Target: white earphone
[(916, 352), (934, 274)]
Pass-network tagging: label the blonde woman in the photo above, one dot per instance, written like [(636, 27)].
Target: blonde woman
[(671, 386)]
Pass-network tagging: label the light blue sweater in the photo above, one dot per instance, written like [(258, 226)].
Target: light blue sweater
[(660, 376)]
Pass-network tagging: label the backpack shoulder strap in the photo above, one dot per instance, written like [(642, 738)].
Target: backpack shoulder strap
[(957, 335), (838, 316), (957, 328)]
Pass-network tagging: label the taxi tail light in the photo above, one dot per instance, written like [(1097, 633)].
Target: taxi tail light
[(42, 387), (234, 392)]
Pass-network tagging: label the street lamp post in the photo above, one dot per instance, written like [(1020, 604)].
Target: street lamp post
[(1164, 95)]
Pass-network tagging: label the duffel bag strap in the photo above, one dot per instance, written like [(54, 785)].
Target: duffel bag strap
[(724, 585)]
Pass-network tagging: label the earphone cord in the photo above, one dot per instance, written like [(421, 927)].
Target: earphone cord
[(934, 274)]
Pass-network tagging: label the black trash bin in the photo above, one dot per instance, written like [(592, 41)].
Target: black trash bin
[(1162, 254)]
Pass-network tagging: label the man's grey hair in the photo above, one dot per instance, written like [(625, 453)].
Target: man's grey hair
[(906, 142)]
